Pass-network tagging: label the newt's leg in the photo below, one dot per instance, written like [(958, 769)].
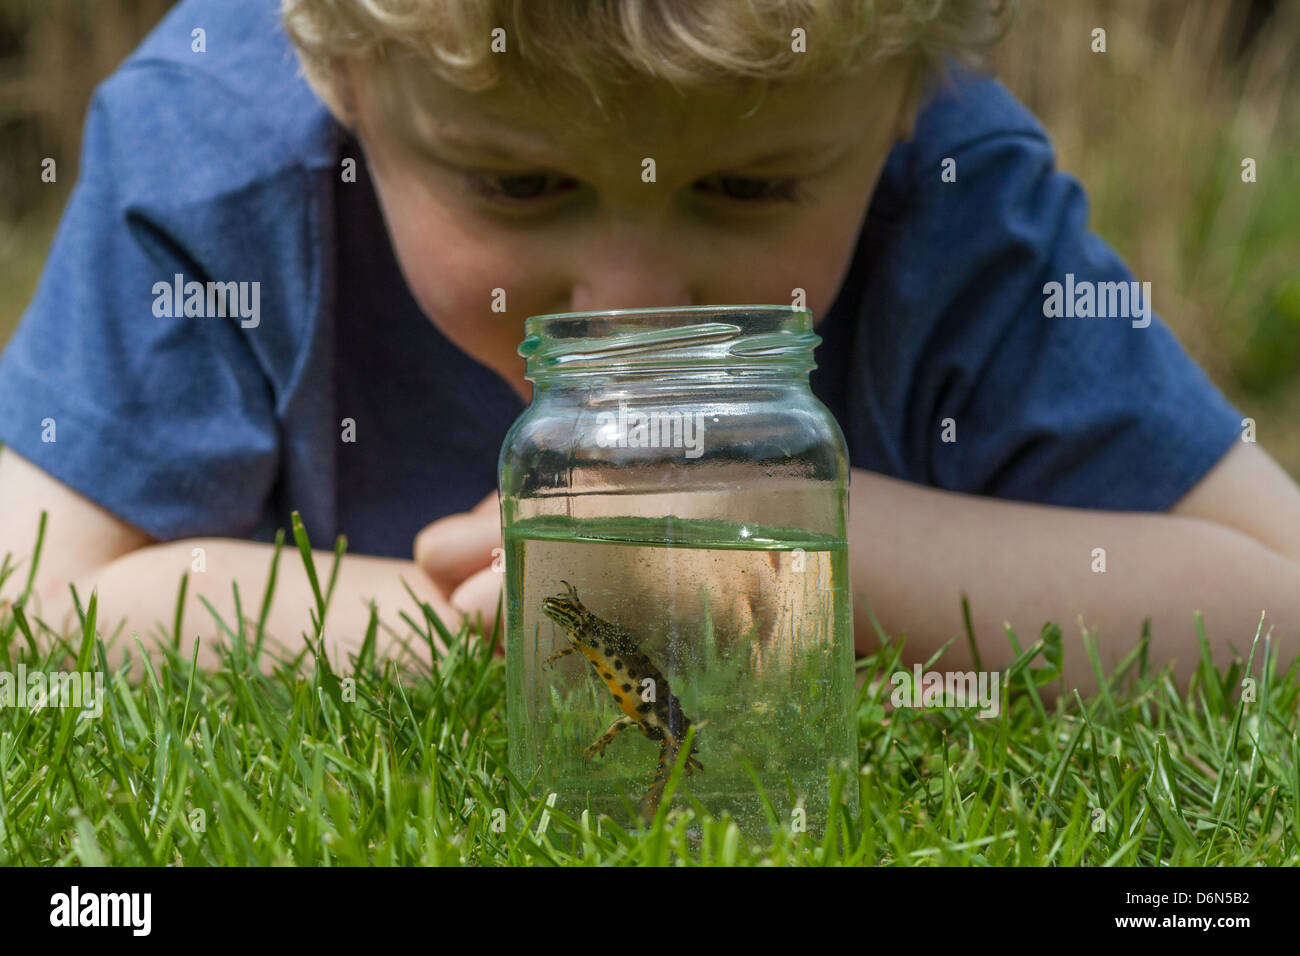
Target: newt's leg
[(599, 746), (555, 657), (667, 756), (692, 763), (690, 766)]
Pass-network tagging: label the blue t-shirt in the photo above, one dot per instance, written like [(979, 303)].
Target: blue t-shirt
[(223, 166)]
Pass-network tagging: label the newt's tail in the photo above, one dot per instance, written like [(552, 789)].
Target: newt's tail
[(667, 757), (649, 805)]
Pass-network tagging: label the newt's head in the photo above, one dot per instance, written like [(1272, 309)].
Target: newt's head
[(565, 610)]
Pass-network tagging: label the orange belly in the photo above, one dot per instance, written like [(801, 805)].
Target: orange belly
[(627, 700)]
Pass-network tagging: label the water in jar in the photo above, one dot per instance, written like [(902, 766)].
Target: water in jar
[(751, 630)]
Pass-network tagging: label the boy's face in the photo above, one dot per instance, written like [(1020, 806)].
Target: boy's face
[(498, 190)]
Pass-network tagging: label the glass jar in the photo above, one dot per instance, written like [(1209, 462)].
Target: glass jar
[(673, 506)]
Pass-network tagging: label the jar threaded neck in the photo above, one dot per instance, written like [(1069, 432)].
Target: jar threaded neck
[(747, 340)]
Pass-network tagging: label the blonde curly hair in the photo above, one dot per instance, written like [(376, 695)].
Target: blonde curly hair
[(562, 45)]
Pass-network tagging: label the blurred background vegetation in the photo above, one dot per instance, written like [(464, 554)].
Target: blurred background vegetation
[(1156, 128)]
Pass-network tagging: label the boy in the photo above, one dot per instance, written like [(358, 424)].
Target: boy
[(255, 304)]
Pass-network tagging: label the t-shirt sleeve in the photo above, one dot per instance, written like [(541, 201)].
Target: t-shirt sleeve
[(1004, 390), (165, 420)]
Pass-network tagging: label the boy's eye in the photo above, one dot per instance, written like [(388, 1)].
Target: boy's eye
[(749, 189), (528, 188), (518, 189), (522, 187)]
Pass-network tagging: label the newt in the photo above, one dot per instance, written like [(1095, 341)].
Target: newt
[(625, 670)]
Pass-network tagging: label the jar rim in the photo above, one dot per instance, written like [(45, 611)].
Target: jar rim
[(657, 310), (691, 314), (680, 338)]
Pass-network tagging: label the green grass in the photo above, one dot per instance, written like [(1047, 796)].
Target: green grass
[(231, 767)]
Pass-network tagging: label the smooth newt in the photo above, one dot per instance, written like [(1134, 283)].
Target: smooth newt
[(625, 670)]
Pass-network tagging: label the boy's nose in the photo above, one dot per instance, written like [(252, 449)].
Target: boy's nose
[(629, 264), (630, 290)]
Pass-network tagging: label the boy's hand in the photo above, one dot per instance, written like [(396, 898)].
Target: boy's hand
[(456, 553)]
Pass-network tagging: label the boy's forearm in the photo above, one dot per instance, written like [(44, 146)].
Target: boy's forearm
[(142, 587), (915, 550)]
